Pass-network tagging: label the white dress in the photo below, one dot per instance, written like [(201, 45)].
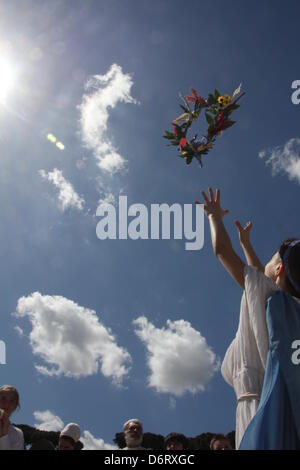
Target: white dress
[(245, 360), (14, 440)]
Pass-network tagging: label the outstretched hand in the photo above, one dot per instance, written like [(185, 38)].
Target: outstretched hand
[(244, 232), (213, 205)]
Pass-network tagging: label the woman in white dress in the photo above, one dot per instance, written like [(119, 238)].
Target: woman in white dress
[(244, 364)]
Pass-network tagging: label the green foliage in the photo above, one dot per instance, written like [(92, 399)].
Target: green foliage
[(211, 100), (210, 120)]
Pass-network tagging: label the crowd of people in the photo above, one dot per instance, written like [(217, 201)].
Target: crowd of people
[(12, 438)]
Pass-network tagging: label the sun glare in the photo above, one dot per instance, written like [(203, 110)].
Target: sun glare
[(7, 78)]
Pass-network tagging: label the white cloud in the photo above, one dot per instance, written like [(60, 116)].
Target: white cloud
[(172, 403), (108, 198), (92, 443), (67, 196), (179, 358), (70, 339), (47, 421), (284, 159), (19, 331), (102, 93)]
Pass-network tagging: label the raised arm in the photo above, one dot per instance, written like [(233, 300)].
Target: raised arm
[(251, 256), (220, 239)]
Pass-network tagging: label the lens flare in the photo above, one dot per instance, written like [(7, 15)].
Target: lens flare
[(7, 78), (55, 141)]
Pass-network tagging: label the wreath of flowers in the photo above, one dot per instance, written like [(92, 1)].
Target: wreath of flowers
[(218, 109)]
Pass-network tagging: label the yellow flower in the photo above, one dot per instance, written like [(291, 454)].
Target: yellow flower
[(221, 100), (227, 99)]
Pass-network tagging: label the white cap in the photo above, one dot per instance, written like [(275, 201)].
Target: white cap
[(71, 430)]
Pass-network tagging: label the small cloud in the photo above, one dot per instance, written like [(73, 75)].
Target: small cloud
[(108, 198), (92, 443), (47, 421), (67, 196), (179, 358), (172, 403), (104, 92), (284, 159), (70, 339), (19, 331)]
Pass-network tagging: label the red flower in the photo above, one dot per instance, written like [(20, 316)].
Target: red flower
[(221, 126), (182, 143), (220, 118), (193, 99), (175, 130)]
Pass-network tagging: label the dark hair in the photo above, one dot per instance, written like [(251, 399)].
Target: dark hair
[(10, 388), (218, 437), (176, 437), (294, 265)]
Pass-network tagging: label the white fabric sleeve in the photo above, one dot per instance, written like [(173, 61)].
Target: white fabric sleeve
[(19, 442), (14, 440), (258, 288), (4, 443)]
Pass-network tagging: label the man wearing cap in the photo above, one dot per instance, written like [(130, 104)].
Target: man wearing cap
[(133, 434), (69, 436)]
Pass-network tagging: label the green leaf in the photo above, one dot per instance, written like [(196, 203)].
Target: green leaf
[(185, 109), (210, 120), (189, 160), (211, 99), (169, 135), (217, 94), (228, 124)]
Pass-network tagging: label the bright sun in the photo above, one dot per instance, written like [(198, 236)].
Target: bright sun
[(7, 78)]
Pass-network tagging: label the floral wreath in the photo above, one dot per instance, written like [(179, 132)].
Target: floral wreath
[(218, 108)]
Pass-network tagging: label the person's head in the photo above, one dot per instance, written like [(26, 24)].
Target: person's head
[(133, 432), (9, 399), (220, 442), (175, 441), (284, 267), (69, 436)]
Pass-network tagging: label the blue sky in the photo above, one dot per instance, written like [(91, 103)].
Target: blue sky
[(144, 53)]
